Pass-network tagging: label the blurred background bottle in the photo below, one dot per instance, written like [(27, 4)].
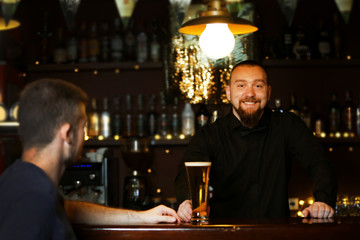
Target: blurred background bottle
[(334, 117), (202, 116), (105, 119), (116, 119), (93, 127), (348, 116), (188, 120)]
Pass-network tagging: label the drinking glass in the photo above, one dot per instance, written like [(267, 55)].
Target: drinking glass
[(198, 179)]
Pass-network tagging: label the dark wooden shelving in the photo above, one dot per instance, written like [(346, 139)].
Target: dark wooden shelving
[(310, 63), (110, 142), (87, 67)]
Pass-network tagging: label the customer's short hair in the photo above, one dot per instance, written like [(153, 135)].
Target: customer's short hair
[(44, 106), (248, 63)]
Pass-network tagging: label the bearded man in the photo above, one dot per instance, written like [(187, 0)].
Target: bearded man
[(251, 150)]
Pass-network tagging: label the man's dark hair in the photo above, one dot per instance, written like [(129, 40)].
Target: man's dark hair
[(44, 106), (248, 63)]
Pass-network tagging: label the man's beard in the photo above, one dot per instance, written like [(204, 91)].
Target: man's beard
[(251, 119)]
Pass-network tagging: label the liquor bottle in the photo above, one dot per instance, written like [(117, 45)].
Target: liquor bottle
[(140, 117), (305, 113), (358, 117), (337, 37), (60, 49), (105, 42), (293, 105), (117, 42), (141, 45), (188, 120), (105, 119), (93, 126), (130, 42), (155, 46), (129, 127), (44, 35), (93, 43), (324, 42), (348, 116), (301, 47), (288, 43), (116, 118), (334, 117), (3, 111), (163, 128), (202, 116), (215, 114), (175, 118), (152, 117), (319, 124), (278, 107), (83, 43), (72, 47)]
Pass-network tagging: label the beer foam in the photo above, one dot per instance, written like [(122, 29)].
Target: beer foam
[(197, 164)]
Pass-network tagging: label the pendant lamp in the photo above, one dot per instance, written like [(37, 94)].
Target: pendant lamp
[(216, 29)]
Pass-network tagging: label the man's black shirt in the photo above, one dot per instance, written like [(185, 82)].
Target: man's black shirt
[(251, 167)]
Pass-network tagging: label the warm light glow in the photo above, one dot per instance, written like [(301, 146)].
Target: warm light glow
[(217, 41), (11, 24), (100, 137), (301, 202), (116, 137), (299, 213), (182, 136), (168, 136), (311, 202)]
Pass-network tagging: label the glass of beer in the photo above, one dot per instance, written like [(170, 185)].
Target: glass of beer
[(198, 178)]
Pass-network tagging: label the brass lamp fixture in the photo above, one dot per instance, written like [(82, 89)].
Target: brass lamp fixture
[(8, 8), (216, 29), (8, 25)]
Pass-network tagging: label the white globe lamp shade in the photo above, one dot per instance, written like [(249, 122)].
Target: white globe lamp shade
[(217, 41)]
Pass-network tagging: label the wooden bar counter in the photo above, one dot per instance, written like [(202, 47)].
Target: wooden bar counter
[(293, 228)]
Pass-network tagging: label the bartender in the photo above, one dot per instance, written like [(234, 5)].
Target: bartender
[(251, 150)]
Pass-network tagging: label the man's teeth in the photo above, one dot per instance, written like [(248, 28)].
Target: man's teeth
[(249, 102)]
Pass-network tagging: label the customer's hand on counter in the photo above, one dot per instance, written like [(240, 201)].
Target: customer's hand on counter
[(159, 214), (318, 210), (185, 211)]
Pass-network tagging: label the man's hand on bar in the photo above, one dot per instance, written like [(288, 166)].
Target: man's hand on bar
[(160, 214), (318, 210), (185, 211)]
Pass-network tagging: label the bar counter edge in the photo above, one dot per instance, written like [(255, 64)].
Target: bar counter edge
[(292, 228)]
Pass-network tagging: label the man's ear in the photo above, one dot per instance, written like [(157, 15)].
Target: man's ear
[(227, 90), (65, 132)]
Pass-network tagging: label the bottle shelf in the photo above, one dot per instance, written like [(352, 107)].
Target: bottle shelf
[(340, 63), (334, 140), (110, 142), (89, 67)]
